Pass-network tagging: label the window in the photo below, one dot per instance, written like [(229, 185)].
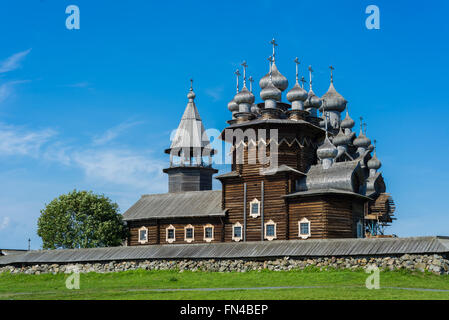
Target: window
[(254, 208), (143, 235), (208, 233), (270, 230), (360, 233), (189, 233), (170, 234), (237, 232), (304, 228)]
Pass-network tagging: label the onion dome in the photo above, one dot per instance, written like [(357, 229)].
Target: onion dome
[(334, 100), (362, 141), (347, 122), (312, 101), (233, 106), (191, 95), (279, 81), (370, 148), (270, 92), (374, 163), (341, 139), (297, 94), (327, 150), (244, 96)]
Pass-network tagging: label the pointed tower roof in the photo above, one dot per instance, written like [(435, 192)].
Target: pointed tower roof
[(191, 133)]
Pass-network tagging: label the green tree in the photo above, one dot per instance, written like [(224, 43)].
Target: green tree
[(81, 219)]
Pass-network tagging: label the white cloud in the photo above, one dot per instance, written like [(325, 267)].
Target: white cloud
[(215, 93), (7, 88), (13, 62), (4, 223), (120, 166), (20, 141), (114, 132), (135, 169)]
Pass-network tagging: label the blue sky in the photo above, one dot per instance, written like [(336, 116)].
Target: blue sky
[(93, 108)]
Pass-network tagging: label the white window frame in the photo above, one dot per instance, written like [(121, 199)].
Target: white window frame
[(237, 239), (141, 241), (170, 227), (362, 233), (270, 238), (303, 235), (185, 233), (254, 215), (204, 232)]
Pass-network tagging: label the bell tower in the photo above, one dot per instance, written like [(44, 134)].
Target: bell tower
[(188, 170)]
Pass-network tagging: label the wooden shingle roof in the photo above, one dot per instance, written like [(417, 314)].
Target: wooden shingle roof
[(176, 205), (241, 250)]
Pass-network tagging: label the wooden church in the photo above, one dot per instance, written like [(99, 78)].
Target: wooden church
[(295, 174)]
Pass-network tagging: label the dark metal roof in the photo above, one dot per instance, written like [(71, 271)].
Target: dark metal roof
[(341, 176), (176, 205), (240, 250)]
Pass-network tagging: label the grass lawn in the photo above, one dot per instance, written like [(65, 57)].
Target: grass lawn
[(147, 285)]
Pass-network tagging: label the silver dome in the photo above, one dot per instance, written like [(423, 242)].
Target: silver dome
[(362, 141), (191, 95), (279, 81), (270, 92), (347, 122), (313, 101), (374, 163), (233, 106), (334, 100), (244, 96), (341, 139), (327, 150), (297, 93)]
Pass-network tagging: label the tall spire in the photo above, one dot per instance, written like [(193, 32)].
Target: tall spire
[(244, 65), (310, 77), (297, 71), (189, 145), (251, 80), (191, 94), (332, 74), (274, 44), (237, 75), (303, 80)]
